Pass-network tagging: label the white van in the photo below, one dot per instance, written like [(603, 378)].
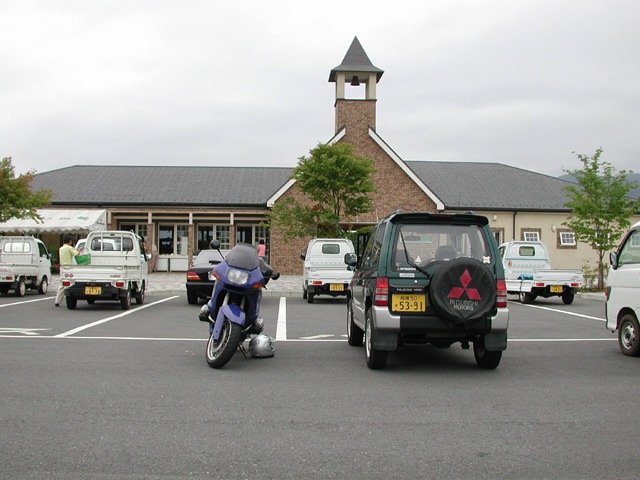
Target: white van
[(623, 292), (325, 272)]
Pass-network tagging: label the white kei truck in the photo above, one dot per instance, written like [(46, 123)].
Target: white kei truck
[(25, 264), (112, 266), (325, 272), (528, 273)]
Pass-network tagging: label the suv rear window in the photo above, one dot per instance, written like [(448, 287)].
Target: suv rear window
[(421, 244)]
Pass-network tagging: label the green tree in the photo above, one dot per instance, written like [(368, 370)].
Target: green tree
[(600, 206), (16, 198), (337, 182)]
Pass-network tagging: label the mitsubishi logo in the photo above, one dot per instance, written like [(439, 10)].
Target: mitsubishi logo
[(465, 280)]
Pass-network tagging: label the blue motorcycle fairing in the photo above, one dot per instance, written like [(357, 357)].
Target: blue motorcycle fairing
[(233, 312)]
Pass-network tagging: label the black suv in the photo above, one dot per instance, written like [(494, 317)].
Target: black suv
[(428, 278)]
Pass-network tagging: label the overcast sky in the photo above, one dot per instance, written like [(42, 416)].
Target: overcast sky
[(204, 82)]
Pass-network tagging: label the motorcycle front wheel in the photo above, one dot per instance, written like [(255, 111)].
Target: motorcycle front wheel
[(220, 352)]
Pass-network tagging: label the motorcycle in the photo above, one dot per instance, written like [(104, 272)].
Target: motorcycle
[(233, 313)]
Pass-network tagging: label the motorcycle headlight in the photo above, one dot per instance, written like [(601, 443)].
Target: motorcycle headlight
[(239, 277)]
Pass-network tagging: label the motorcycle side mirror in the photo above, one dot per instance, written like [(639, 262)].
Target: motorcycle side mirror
[(215, 244), (275, 276)]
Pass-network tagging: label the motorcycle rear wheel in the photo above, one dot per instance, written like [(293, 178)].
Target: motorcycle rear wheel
[(220, 352)]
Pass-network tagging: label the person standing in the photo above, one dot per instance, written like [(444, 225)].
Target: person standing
[(66, 254), (262, 249)]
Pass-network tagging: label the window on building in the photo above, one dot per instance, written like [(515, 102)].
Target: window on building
[(498, 233), (138, 228), (165, 239), (567, 239), (262, 232), (182, 239), (531, 236), (222, 234), (204, 236)]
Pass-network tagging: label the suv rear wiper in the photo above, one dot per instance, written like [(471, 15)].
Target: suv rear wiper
[(410, 262)]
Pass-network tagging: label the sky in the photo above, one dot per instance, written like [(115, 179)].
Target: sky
[(526, 83)]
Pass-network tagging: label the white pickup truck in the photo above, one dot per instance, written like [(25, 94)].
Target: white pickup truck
[(112, 266), (528, 273), (325, 272), (24, 264)]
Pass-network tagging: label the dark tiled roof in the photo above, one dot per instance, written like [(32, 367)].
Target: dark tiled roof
[(356, 60), (491, 186), (460, 185), (156, 185)]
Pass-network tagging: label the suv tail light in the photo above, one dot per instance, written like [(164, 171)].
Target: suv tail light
[(501, 302), (381, 297)]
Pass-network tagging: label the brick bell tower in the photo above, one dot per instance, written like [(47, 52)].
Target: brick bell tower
[(355, 69)]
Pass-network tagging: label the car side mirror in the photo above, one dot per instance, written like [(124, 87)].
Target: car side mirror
[(303, 256), (613, 260), (351, 259)]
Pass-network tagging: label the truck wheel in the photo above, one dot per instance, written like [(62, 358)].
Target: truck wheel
[(4, 290), (567, 298), (21, 288), (526, 297), (44, 286), (72, 302), (140, 296), (126, 300), (376, 359), (629, 335), (310, 296), (484, 358), (304, 293), (354, 332)]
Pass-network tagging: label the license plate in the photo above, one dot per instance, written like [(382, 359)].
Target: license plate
[(408, 303), (93, 290), (336, 287), (556, 288)]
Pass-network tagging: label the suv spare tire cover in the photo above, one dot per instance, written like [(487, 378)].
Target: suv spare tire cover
[(463, 290)]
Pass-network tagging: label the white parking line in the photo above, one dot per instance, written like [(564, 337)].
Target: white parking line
[(27, 301), (281, 326), (565, 312), (104, 320)]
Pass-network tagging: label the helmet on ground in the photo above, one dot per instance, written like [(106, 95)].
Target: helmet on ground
[(261, 346)]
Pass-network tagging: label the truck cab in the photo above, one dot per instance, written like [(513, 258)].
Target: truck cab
[(113, 266), (622, 308), (25, 264), (324, 271)]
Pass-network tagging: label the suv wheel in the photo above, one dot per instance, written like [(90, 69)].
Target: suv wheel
[(354, 332), (485, 358), (463, 290), (376, 359)]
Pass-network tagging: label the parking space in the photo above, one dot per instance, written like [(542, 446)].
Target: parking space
[(166, 315)]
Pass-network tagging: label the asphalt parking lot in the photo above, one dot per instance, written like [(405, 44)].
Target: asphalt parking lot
[(99, 392)]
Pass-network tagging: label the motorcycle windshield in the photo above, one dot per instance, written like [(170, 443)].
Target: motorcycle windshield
[(244, 256)]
